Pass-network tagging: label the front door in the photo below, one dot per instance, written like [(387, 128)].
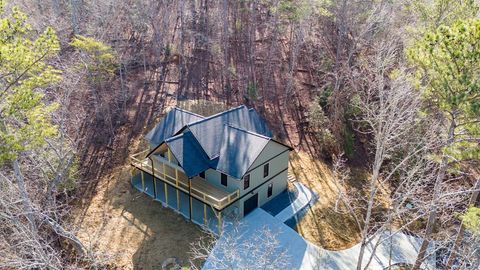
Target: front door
[(250, 204)]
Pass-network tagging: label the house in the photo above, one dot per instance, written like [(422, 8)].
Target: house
[(214, 168)]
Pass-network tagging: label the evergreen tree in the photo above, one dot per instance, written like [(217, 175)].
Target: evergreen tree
[(448, 61), (24, 112)]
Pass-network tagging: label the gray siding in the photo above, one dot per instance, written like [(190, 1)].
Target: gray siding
[(277, 156), (279, 184), (214, 177), (276, 165), (271, 149)]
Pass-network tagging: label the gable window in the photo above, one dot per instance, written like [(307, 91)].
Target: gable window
[(202, 175), (266, 169), (270, 190), (246, 181), (224, 179)]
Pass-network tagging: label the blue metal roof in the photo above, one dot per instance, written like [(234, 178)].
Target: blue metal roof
[(229, 141)]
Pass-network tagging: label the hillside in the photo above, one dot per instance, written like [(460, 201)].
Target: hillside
[(379, 101)]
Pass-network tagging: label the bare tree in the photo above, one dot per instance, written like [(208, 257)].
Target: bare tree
[(234, 250), (389, 115)]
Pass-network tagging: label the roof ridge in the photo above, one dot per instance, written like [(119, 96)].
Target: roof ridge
[(247, 131), (187, 111), (174, 137), (216, 115)]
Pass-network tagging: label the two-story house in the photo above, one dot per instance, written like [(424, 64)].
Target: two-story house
[(212, 168)]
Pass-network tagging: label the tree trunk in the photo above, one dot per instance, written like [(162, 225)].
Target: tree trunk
[(371, 199), (75, 15), (458, 239), (27, 205), (433, 205)]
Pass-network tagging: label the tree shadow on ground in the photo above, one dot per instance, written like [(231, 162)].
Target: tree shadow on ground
[(159, 232)]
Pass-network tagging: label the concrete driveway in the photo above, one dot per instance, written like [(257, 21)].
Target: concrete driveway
[(398, 248)]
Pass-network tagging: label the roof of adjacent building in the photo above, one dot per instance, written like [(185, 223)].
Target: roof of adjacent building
[(228, 142)]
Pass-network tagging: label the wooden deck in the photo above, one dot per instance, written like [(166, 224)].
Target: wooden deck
[(173, 175)]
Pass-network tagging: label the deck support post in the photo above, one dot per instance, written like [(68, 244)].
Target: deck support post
[(154, 180), (205, 214), (164, 183), (166, 193), (190, 195), (219, 216), (143, 181), (178, 195)]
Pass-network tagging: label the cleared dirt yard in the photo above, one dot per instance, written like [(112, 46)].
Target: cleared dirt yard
[(138, 232)]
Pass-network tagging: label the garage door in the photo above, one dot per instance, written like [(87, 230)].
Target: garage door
[(250, 204)]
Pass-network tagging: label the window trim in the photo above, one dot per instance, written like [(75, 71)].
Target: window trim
[(222, 178), (246, 180), (270, 190), (267, 166)]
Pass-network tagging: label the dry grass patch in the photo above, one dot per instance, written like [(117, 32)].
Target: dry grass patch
[(321, 224)]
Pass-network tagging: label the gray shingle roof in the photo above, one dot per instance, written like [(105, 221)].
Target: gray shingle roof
[(189, 155), (228, 142), (170, 124), (238, 150)]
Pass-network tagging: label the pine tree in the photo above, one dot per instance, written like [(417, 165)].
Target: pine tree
[(24, 112), (448, 61)]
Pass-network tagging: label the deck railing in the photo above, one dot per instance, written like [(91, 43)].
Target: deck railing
[(168, 173)]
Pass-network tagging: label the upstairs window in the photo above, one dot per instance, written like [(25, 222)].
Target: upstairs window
[(246, 181), (224, 179), (270, 190), (202, 175), (266, 169)]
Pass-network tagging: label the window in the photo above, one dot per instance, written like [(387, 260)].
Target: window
[(224, 179), (265, 170), (202, 175), (270, 190), (246, 181)]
